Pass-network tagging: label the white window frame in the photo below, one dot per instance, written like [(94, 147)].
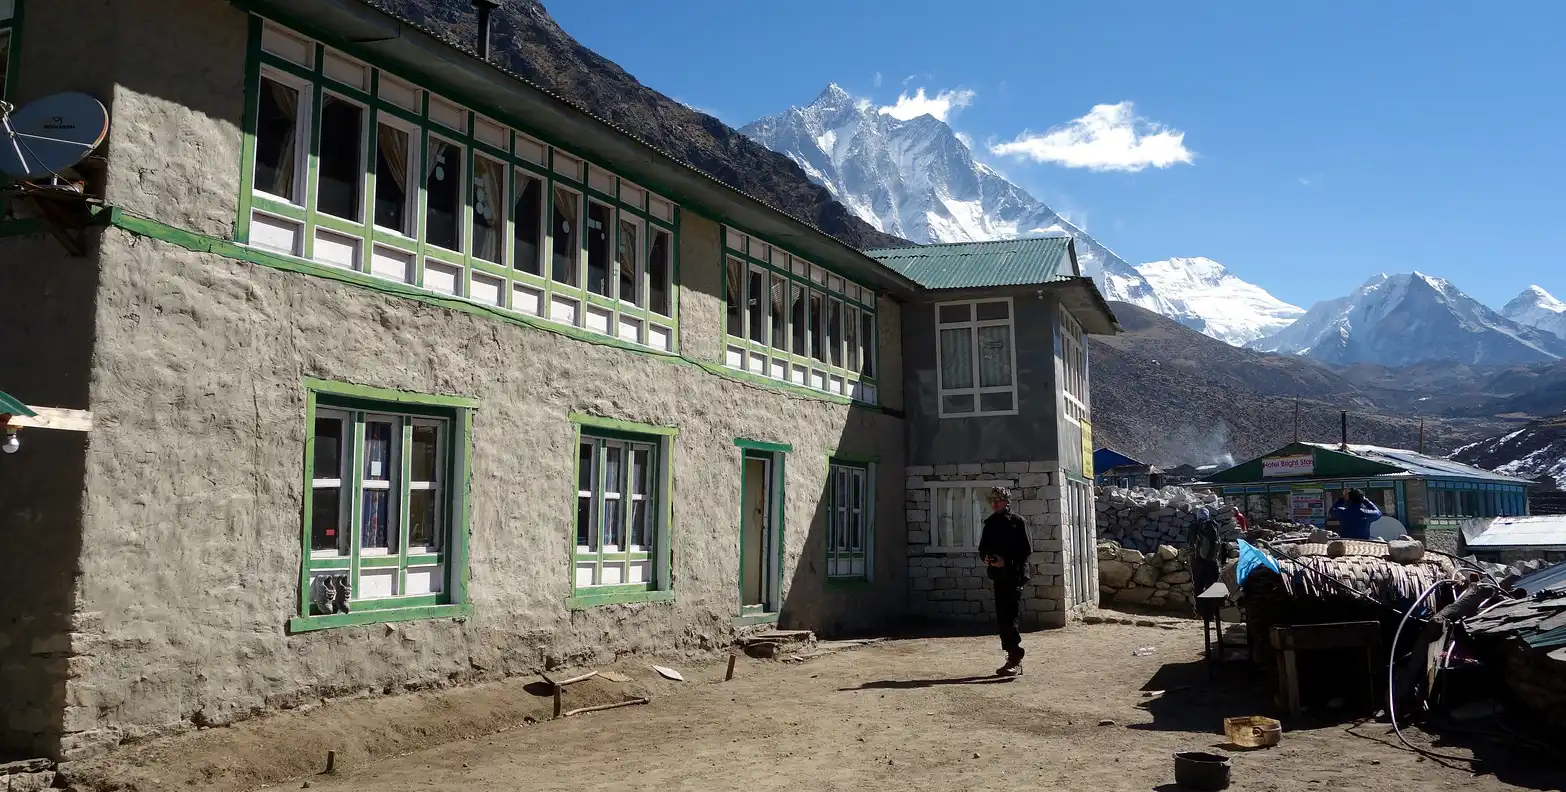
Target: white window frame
[(973, 325), (611, 266), (436, 485), (842, 514), (973, 531), (501, 230), (303, 125), (411, 217), (365, 199), (341, 483), (751, 271), (597, 551), (463, 189), (643, 284), (389, 484)]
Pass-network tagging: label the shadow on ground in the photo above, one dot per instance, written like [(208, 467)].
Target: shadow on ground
[(914, 684)]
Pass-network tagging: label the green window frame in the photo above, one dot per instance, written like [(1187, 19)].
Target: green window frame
[(850, 524), (385, 509), (301, 94), (778, 310), (621, 530)]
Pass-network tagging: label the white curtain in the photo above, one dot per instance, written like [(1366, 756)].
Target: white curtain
[(994, 356), (956, 358)]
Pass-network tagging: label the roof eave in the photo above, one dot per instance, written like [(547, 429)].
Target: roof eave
[(377, 31), (1087, 304)]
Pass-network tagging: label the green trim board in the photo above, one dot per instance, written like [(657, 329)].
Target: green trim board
[(300, 624), (630, 594), (350, 390), (10, 405), (618, 425), (603, 433), (501, 279), (199, 243), (761, 445)]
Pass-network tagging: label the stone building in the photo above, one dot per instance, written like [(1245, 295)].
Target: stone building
[(354, 312)]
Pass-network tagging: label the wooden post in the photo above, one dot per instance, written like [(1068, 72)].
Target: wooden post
[(730, 673), (558, 690), (331, 761)]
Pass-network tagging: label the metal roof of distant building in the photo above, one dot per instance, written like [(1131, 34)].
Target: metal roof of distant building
[(1547, 579), (966, 265), (1545, 531), (1421, 465)]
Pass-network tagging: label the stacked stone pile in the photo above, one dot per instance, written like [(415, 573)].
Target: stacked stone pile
[(1144, 519), (1159, 579)]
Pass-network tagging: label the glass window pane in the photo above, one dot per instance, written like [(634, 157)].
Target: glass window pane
[(851, 336), (377, 450), (955, 313), (5, 60), (277, 139), (328, 449), (799, 323), (391, 179), (584, 502), (817, 327), (422, 525), (994, 402), (994, 356), (991, 311), (376, 532), (734, 286), (778, 294), (614, 490), (425, 446), (341, 162), (756, 304), (489, 202), (835, 331), (566, 242), (625, 258), (598, 224), (659, 267), (955, 403), (641, 474), (529, 234), (326, 519), (867, 340), (443, 195), (956, 358)]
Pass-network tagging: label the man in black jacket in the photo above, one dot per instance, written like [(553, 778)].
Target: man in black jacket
[(1005, 547)]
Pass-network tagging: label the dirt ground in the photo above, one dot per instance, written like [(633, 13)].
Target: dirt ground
[(930, 712)]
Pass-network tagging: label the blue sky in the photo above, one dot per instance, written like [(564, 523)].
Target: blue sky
[(1305, 146)]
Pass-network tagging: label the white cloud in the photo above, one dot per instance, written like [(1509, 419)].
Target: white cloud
[(878, 79), (1108, 138), (942, 105), (965, 139)]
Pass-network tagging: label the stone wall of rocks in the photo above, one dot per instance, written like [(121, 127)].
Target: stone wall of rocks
[(1145, 519), (953, 584), (1159, 579)]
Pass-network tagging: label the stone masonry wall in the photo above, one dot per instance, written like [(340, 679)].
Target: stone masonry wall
[(1144, 519), (1160, 579), (954, 584)]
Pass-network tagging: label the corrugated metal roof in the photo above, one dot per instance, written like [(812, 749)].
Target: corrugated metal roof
[(1547, 579), (1421, 464), (1537, 531), (966, 265)]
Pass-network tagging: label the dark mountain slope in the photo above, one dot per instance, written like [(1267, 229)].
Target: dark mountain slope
[(527, 41)]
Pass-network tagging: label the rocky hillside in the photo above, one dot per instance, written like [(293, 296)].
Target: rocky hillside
[(1168, 394), (1537, 450), (528, 42)]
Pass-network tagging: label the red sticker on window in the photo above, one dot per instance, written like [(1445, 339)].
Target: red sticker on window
[(331, 532)]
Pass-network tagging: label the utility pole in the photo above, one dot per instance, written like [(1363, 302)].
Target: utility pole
[(1296, 420)]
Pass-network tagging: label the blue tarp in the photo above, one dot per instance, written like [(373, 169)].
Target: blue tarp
[(1250, 560)]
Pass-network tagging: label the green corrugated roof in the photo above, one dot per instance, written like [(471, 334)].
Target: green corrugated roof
[(966, 265), (13, 406)]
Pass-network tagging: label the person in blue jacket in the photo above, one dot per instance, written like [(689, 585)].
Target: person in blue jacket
[(1354, 514)]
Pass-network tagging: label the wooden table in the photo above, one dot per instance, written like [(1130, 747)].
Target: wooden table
[(1288, 640)]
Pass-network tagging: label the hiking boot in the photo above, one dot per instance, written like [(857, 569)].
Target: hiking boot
[(1009, 670), (340, 601), (324, 594)]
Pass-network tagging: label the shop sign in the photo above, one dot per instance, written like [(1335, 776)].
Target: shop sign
[(1294, 465)]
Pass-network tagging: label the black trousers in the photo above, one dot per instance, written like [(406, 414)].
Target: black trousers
[(1008, 609)]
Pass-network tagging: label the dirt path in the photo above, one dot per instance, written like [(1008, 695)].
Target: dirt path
[(929, 712)]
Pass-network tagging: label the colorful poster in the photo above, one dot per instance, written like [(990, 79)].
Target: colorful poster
[(1087, 450), (1306, 506)]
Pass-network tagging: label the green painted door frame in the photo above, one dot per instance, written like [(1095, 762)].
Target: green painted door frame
[(770, 545)]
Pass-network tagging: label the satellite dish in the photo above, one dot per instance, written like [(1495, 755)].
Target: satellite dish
[(1387, 528), (51, 134)]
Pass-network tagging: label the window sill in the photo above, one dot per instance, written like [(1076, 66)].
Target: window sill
[(300, 624), (754, 619), (849, 582), (951, 550), (615, 595)]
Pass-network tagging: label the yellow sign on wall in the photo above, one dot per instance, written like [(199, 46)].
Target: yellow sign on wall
[(1087, 450)]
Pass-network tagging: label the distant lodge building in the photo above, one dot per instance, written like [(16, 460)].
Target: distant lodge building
[(1114, 469), (1430, 496), (1509, 540)]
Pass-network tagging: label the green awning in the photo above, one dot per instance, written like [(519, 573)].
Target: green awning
[(10, 405)]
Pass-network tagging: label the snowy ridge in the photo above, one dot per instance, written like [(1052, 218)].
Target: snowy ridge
[(1232, 310), (1399, 320), (1538, 449), (916, 179), (1536, 307)]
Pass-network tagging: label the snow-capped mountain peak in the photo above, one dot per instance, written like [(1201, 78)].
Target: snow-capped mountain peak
[(915, 178), (1232, 310), (1403, 319), (1536, 307)]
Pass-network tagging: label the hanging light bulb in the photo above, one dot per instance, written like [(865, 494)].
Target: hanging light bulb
[(11, 442)]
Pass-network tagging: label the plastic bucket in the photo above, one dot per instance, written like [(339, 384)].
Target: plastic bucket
[(1200, 771)]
